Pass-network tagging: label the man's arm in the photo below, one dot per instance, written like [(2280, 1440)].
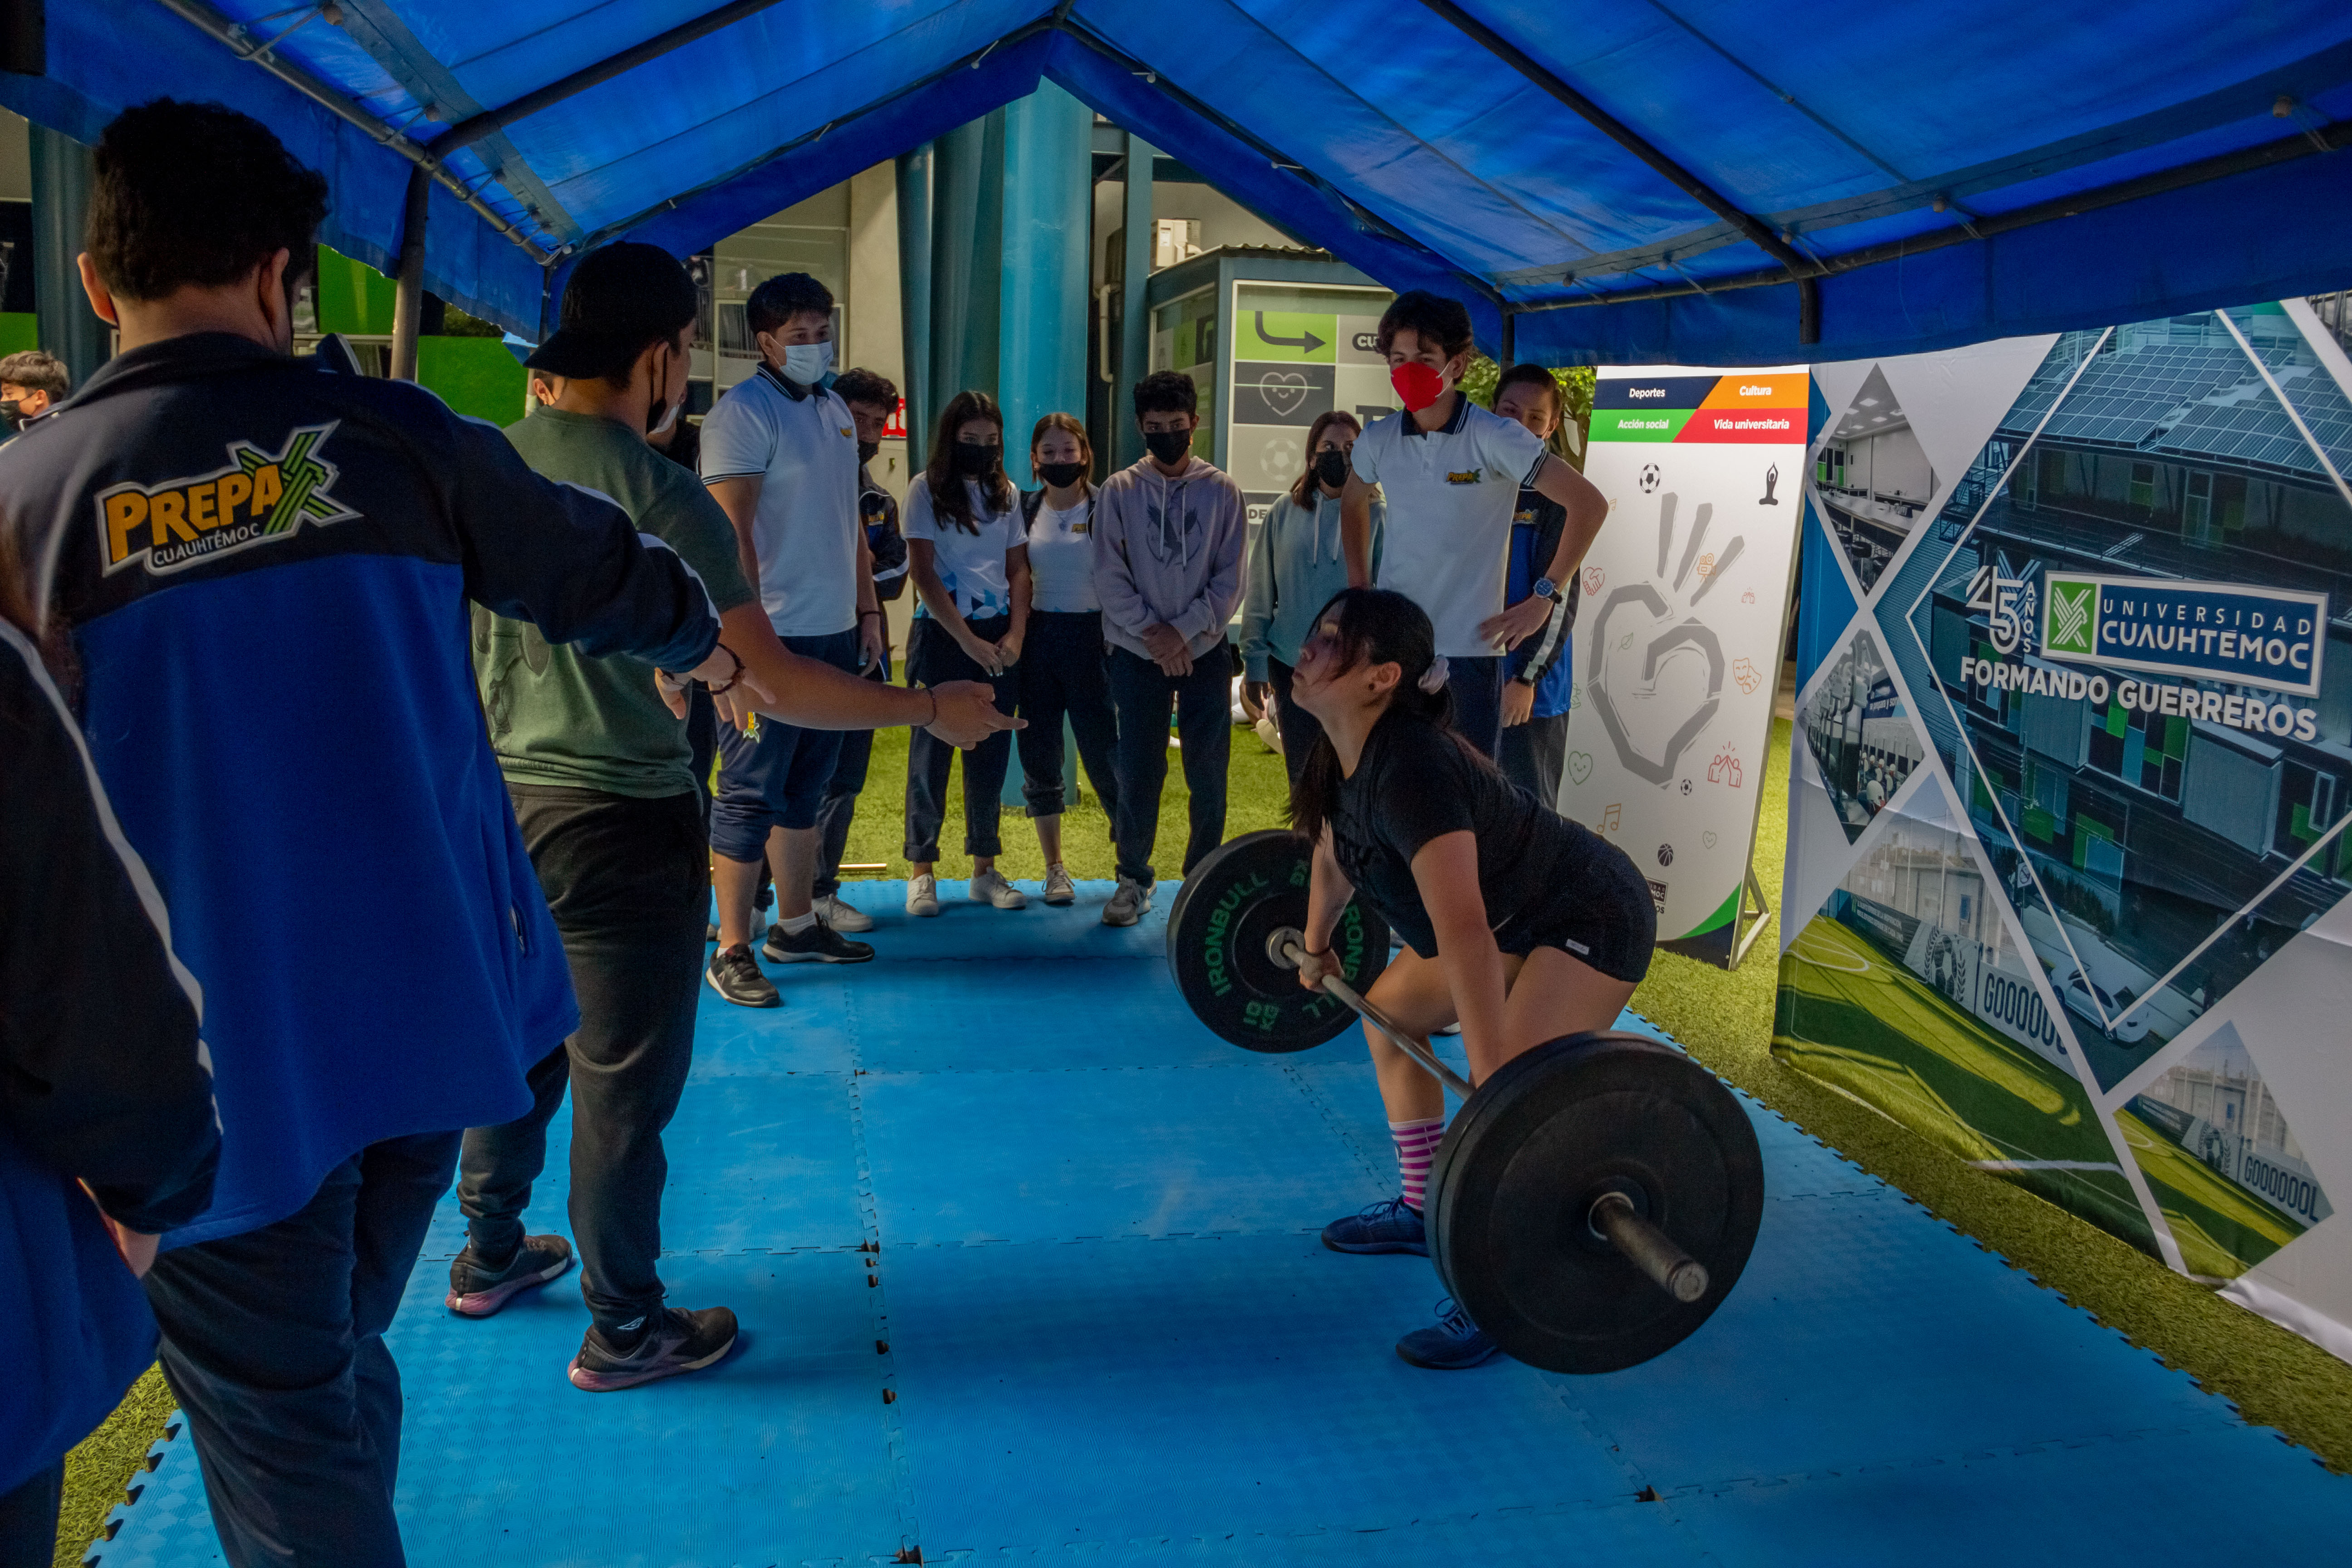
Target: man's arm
[(873, 635), (1356, 530), (740, 500), (814, 695), (1555, 482)]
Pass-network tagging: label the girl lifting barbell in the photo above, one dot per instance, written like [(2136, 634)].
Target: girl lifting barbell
[(1518, 923)]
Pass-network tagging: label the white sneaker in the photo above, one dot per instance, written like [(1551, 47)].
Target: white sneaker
[(839, 916), (922, 896), (990, 886), (1059, 888), (1129, 904)]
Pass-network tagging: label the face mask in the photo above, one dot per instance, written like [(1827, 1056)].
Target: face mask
[(867, 449), (1168, 446), (807, 363), (975, 458), (1331, 468), (1417, 385), (1061, 474), (11, 413)]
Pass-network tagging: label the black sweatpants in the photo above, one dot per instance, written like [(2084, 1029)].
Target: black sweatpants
[(932, 658), (1204, 728), (840, 808), (629, 883), (273, 1344), (1061, 672)]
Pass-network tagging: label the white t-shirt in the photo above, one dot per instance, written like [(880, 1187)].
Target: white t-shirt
[(970, 566), (1062, 559), (805, 531), (1450, 495)]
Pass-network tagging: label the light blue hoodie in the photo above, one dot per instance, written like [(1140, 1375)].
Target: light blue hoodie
[(1296, 564)]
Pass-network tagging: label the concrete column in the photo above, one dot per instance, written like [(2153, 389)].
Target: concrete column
[(916, 178), (1135, 320), (62, 172), (1048, 189), (876, 340)]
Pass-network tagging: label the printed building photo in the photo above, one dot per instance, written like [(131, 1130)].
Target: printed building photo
[(1874, 480), (1859, 735)]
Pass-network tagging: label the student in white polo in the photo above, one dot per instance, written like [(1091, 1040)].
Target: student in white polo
[(1451, 473), (780, 454)]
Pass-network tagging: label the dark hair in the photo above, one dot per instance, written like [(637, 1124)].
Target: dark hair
[(1527, 373), (774, 303), (949, 499), (1166, 391), (1376, 626), (1428, 317), (196, 193), (1305, 485), (37, 371), (861, 385), (1071, 423)]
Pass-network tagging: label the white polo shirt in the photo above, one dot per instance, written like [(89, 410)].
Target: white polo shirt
[(970, 566), (1062, 559), (1451, 496), (805, 531)]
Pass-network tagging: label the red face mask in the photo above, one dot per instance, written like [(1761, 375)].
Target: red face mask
[(1417, 385)]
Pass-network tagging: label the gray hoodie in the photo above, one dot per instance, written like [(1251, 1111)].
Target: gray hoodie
[(1168, 551)]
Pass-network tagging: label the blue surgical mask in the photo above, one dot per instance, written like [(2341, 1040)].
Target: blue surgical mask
[(807, 363)]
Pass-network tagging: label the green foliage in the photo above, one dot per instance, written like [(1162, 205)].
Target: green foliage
[(455, 323)]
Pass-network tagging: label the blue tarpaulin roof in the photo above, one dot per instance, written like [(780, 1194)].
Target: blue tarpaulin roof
[(1637, 181)]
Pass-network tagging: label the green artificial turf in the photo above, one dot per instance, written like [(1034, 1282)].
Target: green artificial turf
[(2274, 1378)]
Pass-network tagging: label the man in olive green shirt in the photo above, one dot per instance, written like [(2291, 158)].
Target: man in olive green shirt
[(597, 761)]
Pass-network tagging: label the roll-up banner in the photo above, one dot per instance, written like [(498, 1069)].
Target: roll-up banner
[(2067, 872), (1679, 636)]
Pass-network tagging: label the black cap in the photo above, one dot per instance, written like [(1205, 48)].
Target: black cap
[(621, 297)]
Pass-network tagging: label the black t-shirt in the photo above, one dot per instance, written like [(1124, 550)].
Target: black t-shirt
[(1413, 784)]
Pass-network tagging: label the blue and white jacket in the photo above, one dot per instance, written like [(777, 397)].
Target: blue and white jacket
[(265, 569)]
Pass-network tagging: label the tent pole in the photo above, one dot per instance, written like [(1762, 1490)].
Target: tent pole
[(408, 295)]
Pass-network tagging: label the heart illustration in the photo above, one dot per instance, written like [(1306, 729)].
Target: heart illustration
[(1593, 580), (1579, 766), (1707, 838), (1658, 669), (1283, 390)]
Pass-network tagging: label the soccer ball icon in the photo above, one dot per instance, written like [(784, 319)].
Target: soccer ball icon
[(1649, 478)]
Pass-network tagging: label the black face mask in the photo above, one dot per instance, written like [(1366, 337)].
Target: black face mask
[(1168, 446), (1331, 468), (974, 459), (1061, 474), (11, 413), (867, 449)]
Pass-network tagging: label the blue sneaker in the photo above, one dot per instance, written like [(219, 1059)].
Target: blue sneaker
[(1453, 1344), (1391, 1226)]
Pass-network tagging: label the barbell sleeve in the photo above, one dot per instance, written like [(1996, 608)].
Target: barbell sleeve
[(1295, 953), (1650, 1249)]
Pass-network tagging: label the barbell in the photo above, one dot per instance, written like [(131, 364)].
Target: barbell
[(1593, 1201)]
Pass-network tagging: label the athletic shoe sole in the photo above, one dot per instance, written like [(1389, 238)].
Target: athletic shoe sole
[(610, 1382), (777, 955), (1366, 1248), (483, 1304), (1062, 901), (713, 981)]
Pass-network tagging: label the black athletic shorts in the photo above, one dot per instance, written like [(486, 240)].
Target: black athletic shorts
[(1601, 915)]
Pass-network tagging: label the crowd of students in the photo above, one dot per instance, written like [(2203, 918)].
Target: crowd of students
[(216, 548)]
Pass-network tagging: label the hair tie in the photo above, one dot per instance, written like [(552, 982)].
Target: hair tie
[(1433, 679)]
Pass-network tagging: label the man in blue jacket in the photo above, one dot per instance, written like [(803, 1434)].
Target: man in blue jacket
[(265, 570)]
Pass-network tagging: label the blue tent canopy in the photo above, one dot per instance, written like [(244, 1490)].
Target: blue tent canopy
[(1700, 181)]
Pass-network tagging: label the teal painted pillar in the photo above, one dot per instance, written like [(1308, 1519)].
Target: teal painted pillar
[(62, 171), (917, 173), (1135, 316), (967, 259), (1048, 198), (1048, 192)]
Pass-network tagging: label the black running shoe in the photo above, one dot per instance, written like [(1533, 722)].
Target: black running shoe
[(818, 944), (476, 1291), (677, 1341), (735, 975)]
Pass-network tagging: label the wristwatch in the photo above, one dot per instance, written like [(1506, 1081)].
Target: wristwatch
[(1545, 588)]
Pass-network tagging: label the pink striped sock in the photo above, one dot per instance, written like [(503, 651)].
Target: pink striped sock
[(1416, 1145)]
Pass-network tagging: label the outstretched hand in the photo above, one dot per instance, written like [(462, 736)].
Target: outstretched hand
[(967, 713), (1517, 623)]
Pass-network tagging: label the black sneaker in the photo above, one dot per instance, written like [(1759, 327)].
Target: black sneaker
[(677, 1341), (735, 975), (476, 1291), (818, 944)]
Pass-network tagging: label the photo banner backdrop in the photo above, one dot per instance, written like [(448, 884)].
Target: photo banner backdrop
[(1678, 638), (2067, 874)]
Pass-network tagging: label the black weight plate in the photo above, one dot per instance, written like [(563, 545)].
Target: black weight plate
[(1519, 1168), (1217, 932)]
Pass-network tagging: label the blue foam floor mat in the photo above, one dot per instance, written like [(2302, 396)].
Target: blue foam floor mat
[(1025, 1263)]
